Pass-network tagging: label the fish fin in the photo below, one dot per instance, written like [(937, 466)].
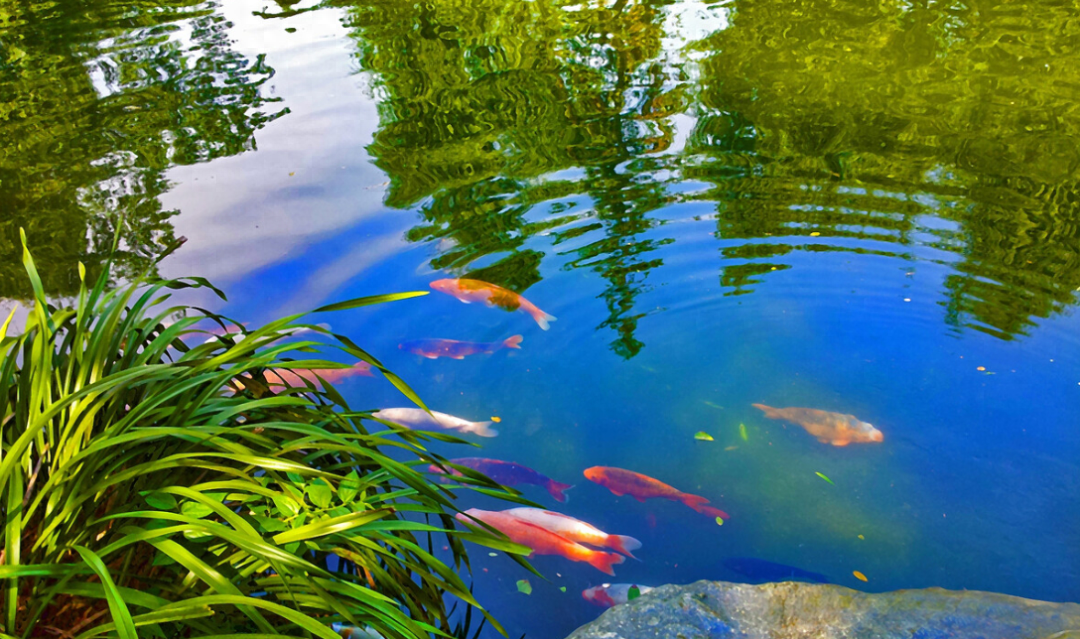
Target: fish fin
[(641, 499), (457, 357), (430, 356), (483, 429), (839, 442), (543, 319), (769, 411), (556, 490), (603, 561), (697, 502), (513, 341), (623, 544)]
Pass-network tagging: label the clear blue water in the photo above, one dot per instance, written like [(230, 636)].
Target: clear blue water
[(864, 209)]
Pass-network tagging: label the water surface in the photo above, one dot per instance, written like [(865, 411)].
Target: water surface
[(870, 208)]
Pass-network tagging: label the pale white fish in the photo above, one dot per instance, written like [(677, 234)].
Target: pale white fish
[(419, 419), (610, 595)]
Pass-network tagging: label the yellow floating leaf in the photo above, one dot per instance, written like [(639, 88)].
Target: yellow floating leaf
[(496, 419), (815, 234), (703, 436), (719, 521), (861, 537), (859, 575)]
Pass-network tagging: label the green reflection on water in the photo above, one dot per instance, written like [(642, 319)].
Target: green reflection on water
[(841, 120), (97, 99)]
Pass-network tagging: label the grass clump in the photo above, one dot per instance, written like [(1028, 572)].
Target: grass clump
[(160, 480)]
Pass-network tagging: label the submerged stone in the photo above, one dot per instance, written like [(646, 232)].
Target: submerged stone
[(790, 610)]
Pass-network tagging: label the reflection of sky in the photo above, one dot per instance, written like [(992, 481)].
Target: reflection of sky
[(310, 177)]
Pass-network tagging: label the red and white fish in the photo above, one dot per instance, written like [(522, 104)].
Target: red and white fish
[(541, 541), (420, 419), (611, 595), (297, 378), (469, 291), (837, 429), (642, 487), (575, 529), (452, 348)]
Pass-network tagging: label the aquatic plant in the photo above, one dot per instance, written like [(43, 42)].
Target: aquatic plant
[(156, 479)]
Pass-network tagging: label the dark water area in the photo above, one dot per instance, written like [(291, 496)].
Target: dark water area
[(868, 208)]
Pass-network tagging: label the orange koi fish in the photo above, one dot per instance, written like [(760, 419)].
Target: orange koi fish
[(837, 429), (436, 348), (642, 487), (542, 542), (469, 291), (575, 529), (298, 377)]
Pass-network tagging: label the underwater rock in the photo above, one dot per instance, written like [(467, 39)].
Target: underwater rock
[(791, 610)]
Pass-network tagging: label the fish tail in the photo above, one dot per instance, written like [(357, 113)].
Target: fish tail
[(603, 561), (483, 429), (713, 512), (770, 412), (556, 489), (513, 341), (623, 544), (542, 318)]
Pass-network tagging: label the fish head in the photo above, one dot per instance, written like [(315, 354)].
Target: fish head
[(868, 433), (470, 515), (445, 285), (595, 474)]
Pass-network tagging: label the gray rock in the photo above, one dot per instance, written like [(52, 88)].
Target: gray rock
[(791, 610)]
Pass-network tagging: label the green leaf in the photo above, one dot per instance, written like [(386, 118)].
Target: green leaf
[(195, 509), (633, 593), (320, 493), (161, 501), (524, 586), (349, 487), (121, 616)]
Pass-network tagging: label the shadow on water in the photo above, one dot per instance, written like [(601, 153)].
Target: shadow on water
[(920, 132), (97, 100)]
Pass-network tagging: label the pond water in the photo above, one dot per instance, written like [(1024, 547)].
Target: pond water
[(868, 208)]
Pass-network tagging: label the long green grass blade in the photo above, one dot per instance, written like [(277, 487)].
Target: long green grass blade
[(121, 616)]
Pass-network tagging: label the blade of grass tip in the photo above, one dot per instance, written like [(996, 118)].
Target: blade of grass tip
[(368, 301), (7, 322), (121, 616)]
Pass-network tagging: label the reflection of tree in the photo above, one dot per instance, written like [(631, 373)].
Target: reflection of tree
[(95, 105), (853, 120), (479, 100)]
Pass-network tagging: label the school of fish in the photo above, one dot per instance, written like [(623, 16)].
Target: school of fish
[(547, 532)]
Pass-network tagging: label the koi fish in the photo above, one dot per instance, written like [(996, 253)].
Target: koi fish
[(469, 291), (436, 348), (642, 487), (298, 377), (509, 474), (421, 419), (611, 595), (762, 570), (575, 530), (837, 429), (542, 542)]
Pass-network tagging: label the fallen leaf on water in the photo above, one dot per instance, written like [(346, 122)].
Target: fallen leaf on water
[(719, 521), (562, 588), (712, 405), (731, 448), (981, 368), (742, 433), (859, 575), (496, 419), (524, 586), (703, 436), (825, 478), (633, 593), (861, 537), (815, 234), (493, 554)]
